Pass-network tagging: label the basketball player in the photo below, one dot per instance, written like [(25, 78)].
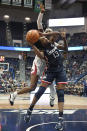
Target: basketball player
[(55, 71), (40, 27), (37, 70)]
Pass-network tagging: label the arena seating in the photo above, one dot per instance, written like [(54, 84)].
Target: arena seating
[(78, 39), (75, 62)]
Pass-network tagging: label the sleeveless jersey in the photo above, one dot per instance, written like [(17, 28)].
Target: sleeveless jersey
[(55, 61)]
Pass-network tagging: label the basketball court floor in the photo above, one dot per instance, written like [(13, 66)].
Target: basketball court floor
[(44, 117)]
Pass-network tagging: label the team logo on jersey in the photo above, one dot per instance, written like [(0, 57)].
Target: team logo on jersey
[(51, 51)]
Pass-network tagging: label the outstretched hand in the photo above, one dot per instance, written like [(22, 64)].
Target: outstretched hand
[(42, 8)]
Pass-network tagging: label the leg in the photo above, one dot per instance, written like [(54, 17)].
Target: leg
[(33, 84), (38, 95), (52, 94), (35, 99), (60, 86), (60, 95), (48, 80)]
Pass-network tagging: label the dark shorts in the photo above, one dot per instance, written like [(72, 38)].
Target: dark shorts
[(59, 77)]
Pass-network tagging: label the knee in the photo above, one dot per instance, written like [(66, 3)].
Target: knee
[(60, 94), (44, 84), (32, 87)]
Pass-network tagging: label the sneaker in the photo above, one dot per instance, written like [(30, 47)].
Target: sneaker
[(11, 99), (27, 117), (59, 125), (52, 102)]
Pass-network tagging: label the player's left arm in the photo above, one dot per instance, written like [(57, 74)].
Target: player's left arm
[(65, 45), (54, 34), (51, 33)]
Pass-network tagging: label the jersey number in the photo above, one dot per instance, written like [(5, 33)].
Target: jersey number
[(55, 54)]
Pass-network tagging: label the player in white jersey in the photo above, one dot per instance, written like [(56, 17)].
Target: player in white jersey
[(38, 66), (36, 71)]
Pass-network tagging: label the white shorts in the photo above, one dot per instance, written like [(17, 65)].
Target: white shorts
[(38, 66)]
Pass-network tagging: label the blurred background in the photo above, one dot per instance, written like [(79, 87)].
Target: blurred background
[(16, 56)]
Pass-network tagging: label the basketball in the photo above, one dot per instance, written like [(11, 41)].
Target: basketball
[(32, 36)]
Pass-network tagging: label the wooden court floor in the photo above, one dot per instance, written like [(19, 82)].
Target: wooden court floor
[(23, 102)]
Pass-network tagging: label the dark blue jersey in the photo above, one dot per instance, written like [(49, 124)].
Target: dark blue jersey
[(55, 61)]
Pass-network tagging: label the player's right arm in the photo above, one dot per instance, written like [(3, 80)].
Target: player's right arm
[(54, 33), (39, 20)]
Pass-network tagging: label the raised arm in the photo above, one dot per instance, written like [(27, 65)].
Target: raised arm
[(39, 20)]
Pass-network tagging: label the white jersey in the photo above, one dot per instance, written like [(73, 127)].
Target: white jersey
[(38, 66)]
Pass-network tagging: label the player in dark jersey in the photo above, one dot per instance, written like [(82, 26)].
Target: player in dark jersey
[(55, 71), (37, 68)]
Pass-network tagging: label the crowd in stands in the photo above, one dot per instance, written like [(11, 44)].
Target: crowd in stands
[(10, 85), (7, 77), (75, 64), (77, 39), (77, 89)]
